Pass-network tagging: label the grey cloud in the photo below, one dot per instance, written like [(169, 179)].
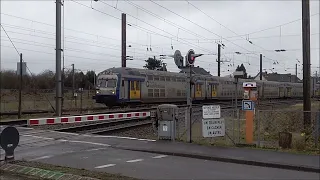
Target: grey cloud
[(240, 16)]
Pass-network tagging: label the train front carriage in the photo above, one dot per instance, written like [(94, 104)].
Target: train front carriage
[(107, 90)]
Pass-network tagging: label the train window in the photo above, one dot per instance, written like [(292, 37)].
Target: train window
[(150, 92), (162, 78), (183, 93), (137, 85), (156, 92), (122, 84), (150, 77), (173, 79), (168, 78), (132, 85), (178, 92), (156, 78), (162, 92)]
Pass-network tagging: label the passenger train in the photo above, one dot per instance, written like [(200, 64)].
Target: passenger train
[(123, 85)]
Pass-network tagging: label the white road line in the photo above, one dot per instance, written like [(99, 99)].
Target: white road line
[(93, 143), (134, 160), (151, 140), (43, 157), (95, 149), (105, 166), (87, 135), (160, 156), (68, 133), (62, 140), (84, 142), (25, 128), (121, 137), (39, 137)]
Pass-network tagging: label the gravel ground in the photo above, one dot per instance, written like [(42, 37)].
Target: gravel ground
[(143, 132)]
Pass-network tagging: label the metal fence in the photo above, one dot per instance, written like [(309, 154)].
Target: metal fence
[(272, 126), (44, 99), (268, 126)]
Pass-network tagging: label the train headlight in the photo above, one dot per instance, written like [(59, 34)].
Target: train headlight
[(97, 92), (112, 92)]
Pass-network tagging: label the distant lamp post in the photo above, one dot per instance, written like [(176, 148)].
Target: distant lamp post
[(237, 75)]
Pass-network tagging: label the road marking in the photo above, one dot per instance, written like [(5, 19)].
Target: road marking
[(26, 128), (62, 140), (122, 137), (97, 149), (93, 143), (160, 156), (42, 157), (151, 140), (39, 137), (87, 135), (105, 166), (134, 160), (64, 132)]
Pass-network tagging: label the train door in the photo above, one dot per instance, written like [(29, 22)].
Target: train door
[(289, 91), (134, 90), (198, 92), (213, 90), (281, 92)]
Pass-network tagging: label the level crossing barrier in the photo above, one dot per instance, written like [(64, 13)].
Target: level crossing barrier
[(87, 118)]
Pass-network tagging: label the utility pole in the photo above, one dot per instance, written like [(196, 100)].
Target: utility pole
[(306, 62), (73, 80), (296, 73), (20, 88), (58, 59), (219, 60), (123, 41), (260, 67)]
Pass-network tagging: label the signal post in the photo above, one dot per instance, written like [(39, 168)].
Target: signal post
[(190, 59), (250, 98)]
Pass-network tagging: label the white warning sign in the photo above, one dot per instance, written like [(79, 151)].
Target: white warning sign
[(211, 112), (213, 127)]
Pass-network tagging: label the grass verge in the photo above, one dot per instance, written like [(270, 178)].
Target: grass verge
[(5, 175), (74, 171)]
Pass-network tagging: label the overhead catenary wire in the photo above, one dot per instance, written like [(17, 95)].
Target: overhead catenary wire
[(82, 32), (185, 42), (228, 28)]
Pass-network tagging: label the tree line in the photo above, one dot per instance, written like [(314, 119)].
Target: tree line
[(46, 80)]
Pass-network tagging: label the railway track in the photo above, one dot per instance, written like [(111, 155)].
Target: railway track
[(116, 125), (223, 104), (74, 111), (103, 127)]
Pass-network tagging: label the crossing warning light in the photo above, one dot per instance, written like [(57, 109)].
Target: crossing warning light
[(190, 57)]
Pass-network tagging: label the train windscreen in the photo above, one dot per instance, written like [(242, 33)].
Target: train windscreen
[(110, 83)]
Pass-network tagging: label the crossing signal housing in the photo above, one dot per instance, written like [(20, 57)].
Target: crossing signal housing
[(190, 57)]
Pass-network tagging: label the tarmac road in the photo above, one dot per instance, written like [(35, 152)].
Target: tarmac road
[(156, 166)]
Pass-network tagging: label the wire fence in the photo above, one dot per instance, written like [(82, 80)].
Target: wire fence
[(44, 99), (271, 128)]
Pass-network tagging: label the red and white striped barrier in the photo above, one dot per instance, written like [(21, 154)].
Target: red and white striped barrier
[(86, 118)]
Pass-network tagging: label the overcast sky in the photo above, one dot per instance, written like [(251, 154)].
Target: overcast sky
[(92, 38)]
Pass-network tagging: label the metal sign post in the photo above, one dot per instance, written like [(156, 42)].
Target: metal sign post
[(189, 106)]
